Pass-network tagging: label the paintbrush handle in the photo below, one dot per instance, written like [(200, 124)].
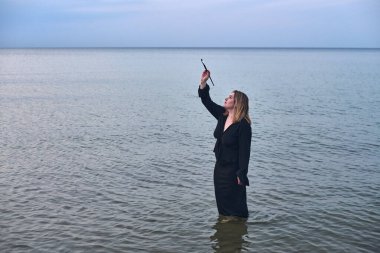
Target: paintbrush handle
[(207, 70)]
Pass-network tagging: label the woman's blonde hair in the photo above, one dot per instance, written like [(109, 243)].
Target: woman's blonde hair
[(241, 107)]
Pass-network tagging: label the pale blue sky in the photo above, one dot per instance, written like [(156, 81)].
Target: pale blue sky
[(195, 23)]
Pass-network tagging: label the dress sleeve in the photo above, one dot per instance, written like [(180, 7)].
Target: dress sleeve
[(215, 109), (245, 136)]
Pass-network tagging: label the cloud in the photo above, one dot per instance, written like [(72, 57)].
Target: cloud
[(301, 4)]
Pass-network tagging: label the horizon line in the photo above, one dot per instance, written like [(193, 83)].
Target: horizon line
[(186, 47)]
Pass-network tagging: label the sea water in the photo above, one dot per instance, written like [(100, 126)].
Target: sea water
[(110, 150)]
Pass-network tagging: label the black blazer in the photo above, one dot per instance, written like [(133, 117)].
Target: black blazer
[(233, 146)]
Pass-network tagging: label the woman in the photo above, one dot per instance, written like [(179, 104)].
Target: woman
[(232, 149)]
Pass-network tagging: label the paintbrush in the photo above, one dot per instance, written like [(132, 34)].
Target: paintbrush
[(207, 70)]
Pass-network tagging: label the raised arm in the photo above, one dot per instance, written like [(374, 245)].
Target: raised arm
[(203, 92)]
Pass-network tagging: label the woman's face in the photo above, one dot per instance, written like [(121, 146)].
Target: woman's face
[(229, 102)]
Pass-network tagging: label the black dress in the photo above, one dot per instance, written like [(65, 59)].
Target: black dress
[(232, 151)]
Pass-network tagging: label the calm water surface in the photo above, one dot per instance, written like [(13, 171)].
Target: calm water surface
[(110, 150)]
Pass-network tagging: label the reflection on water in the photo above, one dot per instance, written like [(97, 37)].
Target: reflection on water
[(229, 235)]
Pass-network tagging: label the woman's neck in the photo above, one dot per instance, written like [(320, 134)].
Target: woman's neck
[(231, 114)]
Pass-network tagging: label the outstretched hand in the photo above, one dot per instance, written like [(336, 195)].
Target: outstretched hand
[(205, 76)]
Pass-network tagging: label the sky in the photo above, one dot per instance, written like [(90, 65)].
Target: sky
[(194, 23)]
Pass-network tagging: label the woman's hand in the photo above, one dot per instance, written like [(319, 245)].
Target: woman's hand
[(238, 181), (205, 76)]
